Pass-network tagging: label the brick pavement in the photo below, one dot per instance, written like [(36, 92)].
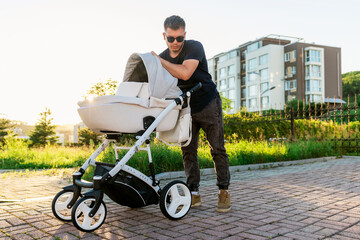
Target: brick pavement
[(320, 200)]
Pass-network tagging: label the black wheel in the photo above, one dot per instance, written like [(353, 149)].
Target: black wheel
[(81, 210), (59, 205), (175, 200)]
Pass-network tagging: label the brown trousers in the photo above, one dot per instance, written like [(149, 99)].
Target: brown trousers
[(210, 119)]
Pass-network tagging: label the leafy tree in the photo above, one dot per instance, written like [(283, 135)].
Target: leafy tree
[(351, 83), (226, 103), (44, 132), (88, 137), (5, 129), (102, 89)]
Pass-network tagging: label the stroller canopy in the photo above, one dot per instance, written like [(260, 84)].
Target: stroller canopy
[(147, 68)]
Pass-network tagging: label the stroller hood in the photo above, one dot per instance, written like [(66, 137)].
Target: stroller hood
[(147, 68)]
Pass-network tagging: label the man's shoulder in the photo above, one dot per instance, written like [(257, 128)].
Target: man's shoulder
[(193, 43), (164, 53)]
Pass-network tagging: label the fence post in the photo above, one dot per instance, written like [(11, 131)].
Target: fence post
[(292, 125)]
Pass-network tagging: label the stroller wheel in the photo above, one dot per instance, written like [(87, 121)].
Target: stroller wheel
[(59, 205), (80, 215), (175, 200)]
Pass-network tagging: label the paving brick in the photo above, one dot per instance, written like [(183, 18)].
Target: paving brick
[(309, 201)]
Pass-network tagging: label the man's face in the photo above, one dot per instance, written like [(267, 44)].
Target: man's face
[(174, 46)]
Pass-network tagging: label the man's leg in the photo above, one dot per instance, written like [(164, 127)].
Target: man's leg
[(212, 124), (213, 127)]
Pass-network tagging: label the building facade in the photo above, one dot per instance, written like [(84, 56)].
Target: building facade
[(312, 72), (266, 73)]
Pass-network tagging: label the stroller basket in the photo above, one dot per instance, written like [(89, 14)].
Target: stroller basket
[(126, 189)]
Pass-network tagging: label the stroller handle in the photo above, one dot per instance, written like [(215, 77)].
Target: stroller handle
[(194, 89)]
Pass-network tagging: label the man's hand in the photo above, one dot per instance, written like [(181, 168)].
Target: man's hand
[(153, 53)]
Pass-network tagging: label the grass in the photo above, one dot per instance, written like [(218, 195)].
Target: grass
[(17, 155)]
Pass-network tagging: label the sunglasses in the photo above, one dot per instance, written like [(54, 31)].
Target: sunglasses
[(172, 39)]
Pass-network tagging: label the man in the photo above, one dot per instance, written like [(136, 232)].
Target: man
[(186, 60)]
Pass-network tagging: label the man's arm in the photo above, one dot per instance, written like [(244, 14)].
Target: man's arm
[(181, 71)]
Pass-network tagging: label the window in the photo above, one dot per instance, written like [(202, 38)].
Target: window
[(232, 94), (264, 74), (231, 82), (253, 47), (243, 80), (243, 93), (223, 58), (222, 72), (287, 57), (290, 85), (222, 84), (263, 59), (313, 85), (243, 103), (243, 53), (252, 77), (232, 54), (294, 54), (231, 70), (253, 91), (313, 98), (312, 56), (312, 71), (224, 94), (252, 103), (252, 64), (264, 86), (264, 102)]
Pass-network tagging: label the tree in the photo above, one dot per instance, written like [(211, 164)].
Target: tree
[(87, 137), (351, 86), (44, 132), (5, 129), (102, 89), (226, 104)]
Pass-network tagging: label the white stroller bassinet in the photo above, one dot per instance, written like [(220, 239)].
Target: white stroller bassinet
[(147, 89)]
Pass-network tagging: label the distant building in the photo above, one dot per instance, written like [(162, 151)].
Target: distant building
[(312, 72), (268, 72), (77, 128)]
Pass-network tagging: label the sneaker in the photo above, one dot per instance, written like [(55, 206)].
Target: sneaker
[(195, 200), (223, 201)]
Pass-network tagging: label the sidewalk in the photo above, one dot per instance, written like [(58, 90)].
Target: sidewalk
[(319, 200)]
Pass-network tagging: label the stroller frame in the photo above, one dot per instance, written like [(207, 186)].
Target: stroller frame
[(89, 212)]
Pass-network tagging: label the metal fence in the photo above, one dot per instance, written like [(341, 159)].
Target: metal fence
[(338, 123)]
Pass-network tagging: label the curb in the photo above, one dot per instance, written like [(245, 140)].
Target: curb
[(233, 169)]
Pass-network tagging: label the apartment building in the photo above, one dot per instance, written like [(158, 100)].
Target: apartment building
[(312, 72), (268, 72)]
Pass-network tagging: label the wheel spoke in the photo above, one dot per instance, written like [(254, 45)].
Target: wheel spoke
[(184, 201), (172, 208), (174, 191), (84, 208), (87, 221), (61, 206)]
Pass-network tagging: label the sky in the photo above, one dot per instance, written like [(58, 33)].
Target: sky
[(53, 51)]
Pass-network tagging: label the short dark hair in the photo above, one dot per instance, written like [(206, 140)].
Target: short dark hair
[(174, 22)]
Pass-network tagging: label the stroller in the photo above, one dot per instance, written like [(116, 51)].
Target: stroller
[(147, 100)]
